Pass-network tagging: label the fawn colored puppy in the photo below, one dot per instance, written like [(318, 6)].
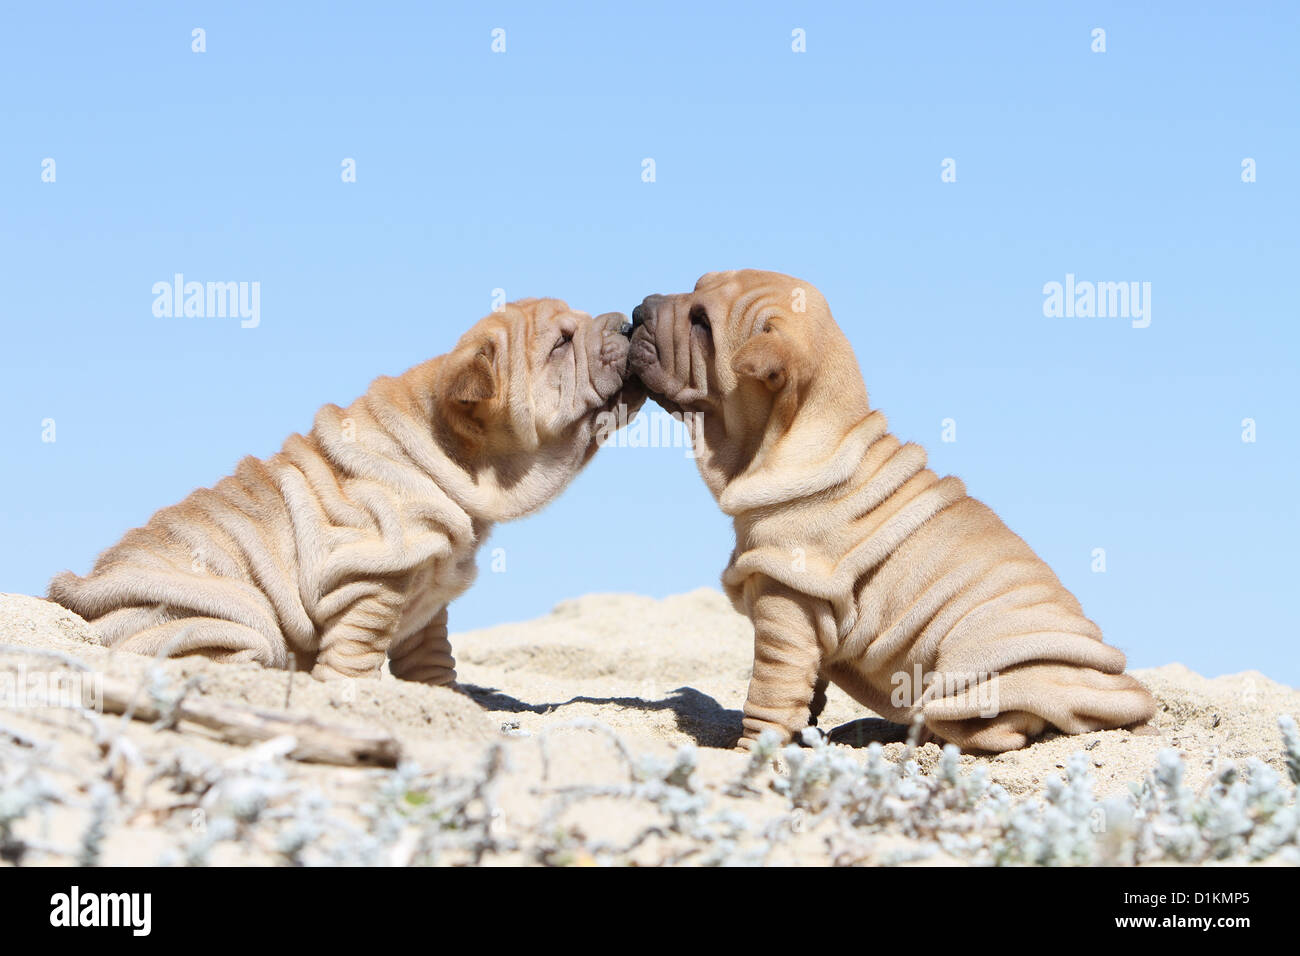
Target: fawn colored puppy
[(855, 562), (344, 548)]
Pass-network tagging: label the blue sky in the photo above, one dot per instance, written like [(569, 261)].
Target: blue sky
[(523, 171)]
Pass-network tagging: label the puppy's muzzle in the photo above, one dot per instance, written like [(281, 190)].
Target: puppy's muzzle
[(616, 322), (647, 311)]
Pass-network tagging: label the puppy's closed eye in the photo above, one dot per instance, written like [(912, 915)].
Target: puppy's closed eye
[(564, 339), (700, 318)]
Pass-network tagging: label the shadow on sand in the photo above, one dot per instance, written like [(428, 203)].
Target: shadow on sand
[(698, 715)]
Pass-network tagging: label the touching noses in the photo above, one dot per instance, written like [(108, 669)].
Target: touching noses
[(615, 322), (646, 311)]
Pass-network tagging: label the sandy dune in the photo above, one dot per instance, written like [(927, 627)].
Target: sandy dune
[(599, 676)]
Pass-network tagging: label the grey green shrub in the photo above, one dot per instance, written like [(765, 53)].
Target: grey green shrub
[(856, 807)]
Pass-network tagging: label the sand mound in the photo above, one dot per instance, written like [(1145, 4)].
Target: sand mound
[(541, 756), (411, 712)]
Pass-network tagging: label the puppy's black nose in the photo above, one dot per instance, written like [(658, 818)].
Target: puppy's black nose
[(614, 322), (647, 310)]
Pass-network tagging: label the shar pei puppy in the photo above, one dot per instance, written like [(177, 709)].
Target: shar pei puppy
[(344, 547), (855, 562)]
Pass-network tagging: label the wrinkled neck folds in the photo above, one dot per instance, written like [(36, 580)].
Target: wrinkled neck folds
[(819, 525)]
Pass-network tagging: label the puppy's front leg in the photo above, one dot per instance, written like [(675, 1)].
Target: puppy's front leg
[(425, 656), (787, 661), (355, 642)]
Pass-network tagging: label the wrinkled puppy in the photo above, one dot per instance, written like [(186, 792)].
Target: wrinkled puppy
[(346, 545), (855, 562)]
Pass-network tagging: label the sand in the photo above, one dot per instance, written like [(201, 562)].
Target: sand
[(599, 676)]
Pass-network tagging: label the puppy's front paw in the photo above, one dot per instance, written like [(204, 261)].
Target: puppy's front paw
[(755, 731), (1144, 729), (327, 672)]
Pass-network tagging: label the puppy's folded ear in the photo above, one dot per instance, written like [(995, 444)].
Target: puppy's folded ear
[(769, 357), (468, 377)]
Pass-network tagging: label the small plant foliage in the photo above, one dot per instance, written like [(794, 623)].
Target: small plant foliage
[(861, 807)]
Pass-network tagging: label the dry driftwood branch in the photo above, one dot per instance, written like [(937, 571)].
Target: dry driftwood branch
[(317, 742), (45, 653)]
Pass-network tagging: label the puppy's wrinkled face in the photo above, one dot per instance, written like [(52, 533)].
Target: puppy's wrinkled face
[(744, 332), (534, 375)]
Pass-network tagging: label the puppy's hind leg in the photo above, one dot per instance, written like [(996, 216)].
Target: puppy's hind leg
[(221, 640), (1018, 705), (1010, 730), (119, 624), (425, 656)]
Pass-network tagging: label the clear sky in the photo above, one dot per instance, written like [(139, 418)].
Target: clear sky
[(523, 171)]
